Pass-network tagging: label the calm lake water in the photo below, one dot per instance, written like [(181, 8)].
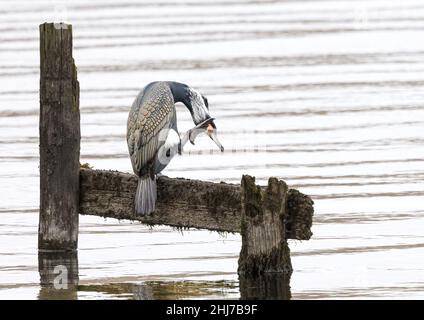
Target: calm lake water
[(327, 95)]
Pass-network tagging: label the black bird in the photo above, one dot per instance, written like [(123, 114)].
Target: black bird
[(152, 134)]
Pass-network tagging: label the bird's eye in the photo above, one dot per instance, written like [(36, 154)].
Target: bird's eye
[(205, 100)]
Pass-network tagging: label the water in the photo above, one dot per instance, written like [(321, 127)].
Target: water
[(326, 95)]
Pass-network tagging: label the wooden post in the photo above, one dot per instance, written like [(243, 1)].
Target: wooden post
[(59, 140), (263, 214)]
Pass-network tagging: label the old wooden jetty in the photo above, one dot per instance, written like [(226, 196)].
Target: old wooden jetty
[(265, 216)]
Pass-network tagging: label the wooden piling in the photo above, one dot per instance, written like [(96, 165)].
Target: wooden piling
[(59, 140)]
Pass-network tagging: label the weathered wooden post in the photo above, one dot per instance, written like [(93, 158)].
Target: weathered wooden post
[(59, 140), (264, 261), (263, 213)]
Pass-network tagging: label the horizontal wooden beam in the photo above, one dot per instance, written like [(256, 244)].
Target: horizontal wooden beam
[(183, 203)]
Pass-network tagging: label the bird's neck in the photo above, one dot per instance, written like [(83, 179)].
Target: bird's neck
[(179, 91)]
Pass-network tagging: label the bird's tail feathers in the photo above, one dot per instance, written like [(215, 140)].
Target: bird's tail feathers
[(145, 197)]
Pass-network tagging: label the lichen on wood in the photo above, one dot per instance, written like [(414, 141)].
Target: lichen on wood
[(299, 220)]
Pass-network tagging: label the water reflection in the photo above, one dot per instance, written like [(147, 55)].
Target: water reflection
[(161, 290), (58, 275), (275, 286), (59, 280)]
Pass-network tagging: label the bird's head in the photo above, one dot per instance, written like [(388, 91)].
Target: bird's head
[(199, 108), (197, 104)]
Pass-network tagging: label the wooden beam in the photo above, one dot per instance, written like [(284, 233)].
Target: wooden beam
[(183, 203), (59, 140)]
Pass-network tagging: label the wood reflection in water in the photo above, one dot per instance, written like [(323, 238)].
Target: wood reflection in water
[(58, 275), (59, 280), (273, 286)]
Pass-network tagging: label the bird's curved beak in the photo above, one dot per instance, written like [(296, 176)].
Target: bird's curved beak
[(211, 132), (209, 126)]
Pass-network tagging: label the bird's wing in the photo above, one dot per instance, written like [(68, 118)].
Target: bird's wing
[(152, 112)]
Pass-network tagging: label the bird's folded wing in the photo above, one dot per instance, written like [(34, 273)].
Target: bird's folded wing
[(150, 129)]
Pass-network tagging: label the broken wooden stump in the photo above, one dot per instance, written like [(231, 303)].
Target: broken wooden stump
[(264, 265), (263, 223)]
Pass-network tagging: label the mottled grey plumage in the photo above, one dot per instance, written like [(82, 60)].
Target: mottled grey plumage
[(152, 111)]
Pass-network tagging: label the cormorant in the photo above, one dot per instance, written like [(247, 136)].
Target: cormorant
[(152, 133)]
